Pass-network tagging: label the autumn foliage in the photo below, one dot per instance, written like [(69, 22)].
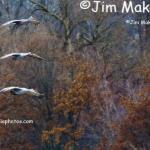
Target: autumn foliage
[(133, 132), (69, 104), (95, 80)]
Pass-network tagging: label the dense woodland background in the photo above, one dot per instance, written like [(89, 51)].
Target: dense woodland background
[(96, 81)]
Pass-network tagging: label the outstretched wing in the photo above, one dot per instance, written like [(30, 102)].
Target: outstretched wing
[(35, 56), (11, 22), (8, 89), (7, 56)]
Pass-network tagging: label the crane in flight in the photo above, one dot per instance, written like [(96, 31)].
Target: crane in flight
[(14, 90), (14, 24), (20, 22), (19, 56)]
